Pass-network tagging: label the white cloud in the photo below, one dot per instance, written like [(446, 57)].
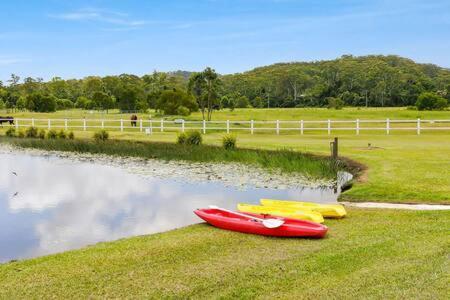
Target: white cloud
[(100, 16), (6, 61)]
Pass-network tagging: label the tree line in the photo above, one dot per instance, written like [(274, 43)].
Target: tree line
[(348, 80)]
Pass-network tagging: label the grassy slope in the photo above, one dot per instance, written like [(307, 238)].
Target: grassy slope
[(370, 254)]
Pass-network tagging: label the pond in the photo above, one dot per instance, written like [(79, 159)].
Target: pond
[(49, 204)]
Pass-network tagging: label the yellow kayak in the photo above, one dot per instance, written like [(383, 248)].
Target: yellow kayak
[(327, 210), (294, 213)]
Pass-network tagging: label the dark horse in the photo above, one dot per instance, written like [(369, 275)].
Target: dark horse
[(9, 120), (134, 120)]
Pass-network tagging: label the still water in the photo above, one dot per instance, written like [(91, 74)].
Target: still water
[(49, 204)]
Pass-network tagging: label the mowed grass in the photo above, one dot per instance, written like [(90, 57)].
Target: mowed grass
[(377, 254), (296, 114)]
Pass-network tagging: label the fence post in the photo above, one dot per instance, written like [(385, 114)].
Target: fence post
[(357, 126), (204, 126), (329, 127), (278, 126), (334, 149), (103, 124), (84, 124), (151, 126), (32, 122), (182, 126), (251, 127), (49, 125), (140, 125), (301, 127), (65, 124), (17, 124), (121, 124), (162, 125), (228, 126), (418, 126), (388, 126)]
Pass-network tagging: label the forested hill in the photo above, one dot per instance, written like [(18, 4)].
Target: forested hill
[(349, 80), (372, 80)]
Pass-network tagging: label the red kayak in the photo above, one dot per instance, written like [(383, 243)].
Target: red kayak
[(236, 222)]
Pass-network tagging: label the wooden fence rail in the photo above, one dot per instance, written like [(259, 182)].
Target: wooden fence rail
[(251, 126)]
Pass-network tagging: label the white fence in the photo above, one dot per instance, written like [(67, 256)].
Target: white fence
[(301, 126)]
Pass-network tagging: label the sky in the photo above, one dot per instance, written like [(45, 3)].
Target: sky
[(78, 38)]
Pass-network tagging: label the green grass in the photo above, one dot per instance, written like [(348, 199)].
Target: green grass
[(349, 113), (376, 254), (313, 167)]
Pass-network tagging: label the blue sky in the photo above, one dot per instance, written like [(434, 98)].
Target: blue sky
[(78, 38)]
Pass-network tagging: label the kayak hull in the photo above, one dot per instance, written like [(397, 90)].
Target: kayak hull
[(327, 210), (288, 212), (290, 228)]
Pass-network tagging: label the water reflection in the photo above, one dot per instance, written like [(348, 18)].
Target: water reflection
[(51, 205)]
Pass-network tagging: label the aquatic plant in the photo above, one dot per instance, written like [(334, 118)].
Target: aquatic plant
[(31, 132)]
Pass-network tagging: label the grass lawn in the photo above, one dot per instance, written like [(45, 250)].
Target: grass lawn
[(371, 254), (349, 113)]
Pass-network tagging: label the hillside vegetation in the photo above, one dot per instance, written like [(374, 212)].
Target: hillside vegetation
[(350, 81)]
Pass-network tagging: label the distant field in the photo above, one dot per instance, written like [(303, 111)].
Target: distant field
[(295, 114), (402, 167)]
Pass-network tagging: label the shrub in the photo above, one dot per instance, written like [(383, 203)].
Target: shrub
[(101, 136), (62, 134), (71, 135), (31, 132), (194, 138), (183, 111), (11, 132), (229, 142), (335, 103), (430, 101), (181, 138), (52, 134), (21, 134), (441, 104), (41, 134)]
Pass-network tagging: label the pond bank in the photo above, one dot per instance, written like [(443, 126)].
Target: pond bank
[(230, 174)]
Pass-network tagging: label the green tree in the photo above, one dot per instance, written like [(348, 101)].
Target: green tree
[(430, 101), (103, 101), (173, 102)]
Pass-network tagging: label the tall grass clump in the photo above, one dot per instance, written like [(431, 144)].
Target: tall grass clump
[(10, 132), (194, 138), (52, 134), (62, 134), (229, 142), (70, 135), (21, 134), (181, 138), (31, 132), (41, 134), (101, 136)]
